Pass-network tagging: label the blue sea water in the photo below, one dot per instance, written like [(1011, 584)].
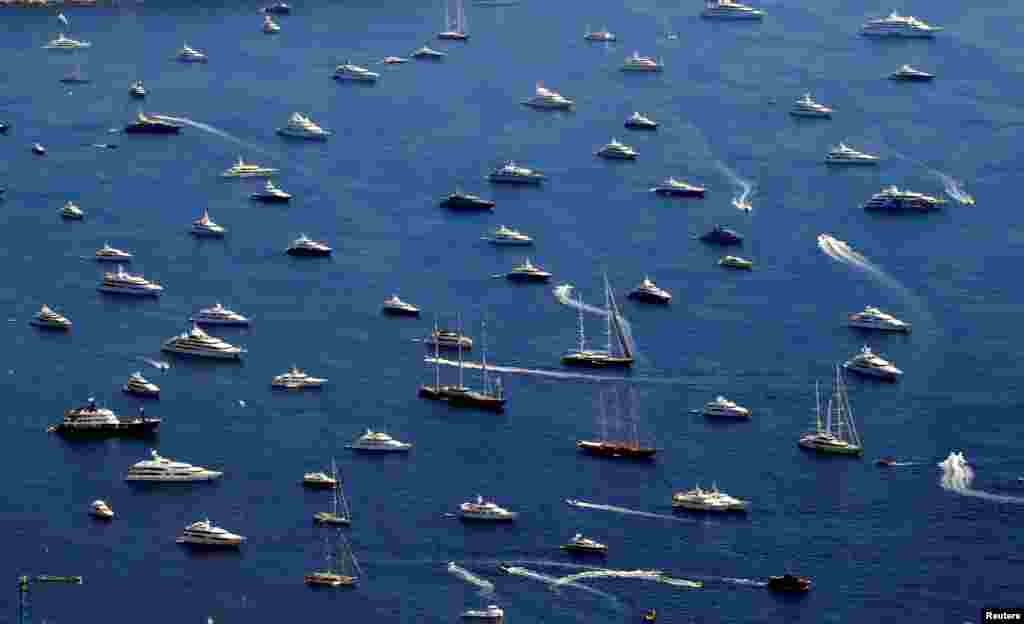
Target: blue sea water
[(879, 544)]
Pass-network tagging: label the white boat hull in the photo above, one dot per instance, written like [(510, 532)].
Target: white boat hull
[(489, 517), (208, 321), (135, 292), (851, 161), (888, 375), (380, 449), (210, 475), (203, 541), (311, 136), (213, 355), (880, 327)]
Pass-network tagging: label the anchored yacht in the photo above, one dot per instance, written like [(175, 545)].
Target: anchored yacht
[(908, 73), (723, 407), (835, 431), (637, 63), (394, 305), (90, 420), (466, 201), (677, 188), (302, 127), (842, 154), (637, 121), (144, 124), (736, 262), (190, 55), (871, 365), (507, 236), (805, 106), (136, 90), (448, 339), (492, 612), (378, 441), (48, 319), (548, 99), (203, 533), (699, 499), (722, 236), (123, 283), (873, 318), (218, 315), (205, 227), (729, 10), (599, 35), (279, 8), (649, 291), (320, 480), (271, 194), (101, 510), (394, 60), (527, 272), (242, 169), (198, 343), (355, 73), (480, 509), (427, 53), (896, 25), (617, 151), (296, 379), (140, 386), (892, 199), (578, 543), (66, 43), (162, 469), (511, 173), (303, 246), (70, 210)]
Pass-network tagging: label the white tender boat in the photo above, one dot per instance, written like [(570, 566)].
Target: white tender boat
[(203, 533), (378, 441), (873, 318), (480, 509), (723, 407)]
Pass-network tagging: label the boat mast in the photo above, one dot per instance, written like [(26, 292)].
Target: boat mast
[(437, 357), (579, 333), (608, 311), (483, 355), (817, 407), (838, 399), (458, 321)]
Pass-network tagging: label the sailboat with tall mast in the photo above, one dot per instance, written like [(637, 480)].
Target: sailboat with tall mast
[(339, 513), (490, 397), (626, 446), (428, 391), (837, 434), (619, 352), (455, 25), (341, 566)]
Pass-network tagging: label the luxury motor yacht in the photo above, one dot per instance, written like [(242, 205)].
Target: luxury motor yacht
[(205, 227), (198, 343), (617, 151), (66, 43), (448, 339), (394, 60), (70, 210), (270, 27), (699, 499), (151, 125), (722, 236), (303, 246), (844, 155), (136, 90), (159, 468), (480, 509), (218, 315), (48, 319), (599, 35), (427, 53), (869, 364), (507, 236), (271, 194), (527, 272), (677, 188), (789, 583), (906, 72), (892, 199), (548, 99), (379, 442), (102, 510), (320, 480), (38, 149), (466, 201), (394, 305), (723, 407), (637, 121), (649, 291), (492, 612), (279, 8), (729, 10), (122, 283), (302, 127), (511, 173), (735, 262), (140, 386), (355, 73), (805, 106), (203, 533), (190, 55), (637, 63), (106, 253), (578, 543), (296, 379), (90, 420), (873, 318), (242, 169), (896, 25)]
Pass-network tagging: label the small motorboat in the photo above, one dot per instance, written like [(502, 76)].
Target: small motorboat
[(789, 583), (650, 615), (886, 461), (38, 149), (102, 510)]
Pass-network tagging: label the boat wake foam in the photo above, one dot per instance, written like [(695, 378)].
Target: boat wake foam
[(746, 187), (957, 477), (486, 587), (842, 252), (157, 364), (555, 583), (953, 187), (743, 581), (630, 512), (646, 575), (563, 292), (540, 372), (212, 130)]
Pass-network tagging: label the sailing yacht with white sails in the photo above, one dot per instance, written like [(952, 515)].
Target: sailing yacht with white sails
[(837, 434), (618, 352), (339, 513)]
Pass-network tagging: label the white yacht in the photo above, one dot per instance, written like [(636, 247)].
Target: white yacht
[(677, 188), (699, 499), (908, 73), (528, 272), (271, 194), (66, 43), (892, 199), (578, 543), (617, 151), (842, 154), (242, 169), (303, 127), (106, 253), (203, 533), (507, 236), (190, 55), (599, 35), (480, 509), (70, 210), (204, 226), (320, 480), (805, 106), (378, 441), (548, 99), (139, 385), (394, 60), (722, 406), (394, 305), (137, 90), (637, 63), (873, 318), (871, 365), (159, 468), (123, 283), (199, 343), (49, 319), (896, 25), (305, 246), (102, 510), (218, 315), (348, 71), (448, 339), (492, 612), (637, 121), (511, 173), (729, 10), (649, 291), (38, 149), (426, 52), (296, 379), (270, 27)]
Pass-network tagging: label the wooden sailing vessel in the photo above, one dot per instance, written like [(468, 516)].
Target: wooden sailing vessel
[(625, 446), (339, 513), (340, 569), (619, 353), (837, 434), (490, 397), (428, 391)]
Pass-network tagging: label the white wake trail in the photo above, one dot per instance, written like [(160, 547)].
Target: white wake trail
[(563, 293), (486, 587), (957, 477), (157, 364), (953, 187), (841, 251), (646, 575), (215, 131), (626, 511), (555, 582), (746, 187), (540, 372)]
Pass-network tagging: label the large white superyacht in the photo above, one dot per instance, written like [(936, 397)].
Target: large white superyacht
[(162, 469), (203, 533), (378, 441), (481, 509), (868, 363), (549, 99), (198, 343), (242, 169), (121, 282), (729, 10), (896, 25), (873, 318), (351, 72), (843, 154), (699, 499), (302, 127)]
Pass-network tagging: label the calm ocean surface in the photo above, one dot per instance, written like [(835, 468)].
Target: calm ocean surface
[(879, 544)]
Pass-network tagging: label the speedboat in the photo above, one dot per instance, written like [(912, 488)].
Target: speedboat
[(48, 319), (649, 291), (507, 236), (278, 8), (106, 253), (198, 343), (139, 385), (162, 469), (789, 583), (427, 53), (873, 318), (650, 615), (190, 55), (578, 543), (906, 72), (723, 407), (844, 155), (871, 365), (92, 421), (617, 151), (71, 211), (511, 173), (296, 379), (735, 262), (722, 236), (448, 339), (892, 199), (378, 441), (637, 63), (271, 194), (242, 169), (461, 200), (303, 246), (38, 149), (547, 99), (320, 480), (805, 106), (205, 227), (896, 25), (394, 60), (66, 44), (101, 510), (699, 499), (303, 127), (218, 315), (729, 10), (527, 272), (270, 27), (492, 612), (348, 71), (637, 121), (121, 282), (137, 90), (480, 509), (151, 125), (394, 305), (678, 188), (599, 35), (203, 533)]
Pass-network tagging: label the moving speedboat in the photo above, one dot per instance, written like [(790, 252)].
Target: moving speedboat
[(617, 151), (198, 343), (139, 385), (873, 318), (190, 55), (548, 99), (507, 236), (896, 25), (205, 227), (123, 283), (492, 612), (66, 44), (71, 211), (729, 10), (599, 35), (270, 27), (296, 379), (723, 407), (527, 272), (378, 441), (699, 499), (271, 194), (106, 253), (511, 173), (242, 169), (348, 71), (637, 121), (807, 107), (871, 365), (789, 583), (48, 319), (461, 200), (735, 262), (303, 246), (279, 8), (678, 188), (90, 420), (101, 510), (394, 60), (203, 533), (218, 315), (844, 155), (302, 127), (906, 72), (649, 291), (578, 543), (637, 63), (151, 125), (394, 305), (722, 236), (427, 53), (480, 509), (162, 469), (892, 199), (137, 90)]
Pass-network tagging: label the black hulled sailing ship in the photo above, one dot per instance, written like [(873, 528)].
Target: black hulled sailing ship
[(619, 352), (625, 440), (489, 397)]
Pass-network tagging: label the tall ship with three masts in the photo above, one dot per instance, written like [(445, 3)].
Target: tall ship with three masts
[(619, 352), (625, 444), (489, 397), (339, 515), (837, 434)]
